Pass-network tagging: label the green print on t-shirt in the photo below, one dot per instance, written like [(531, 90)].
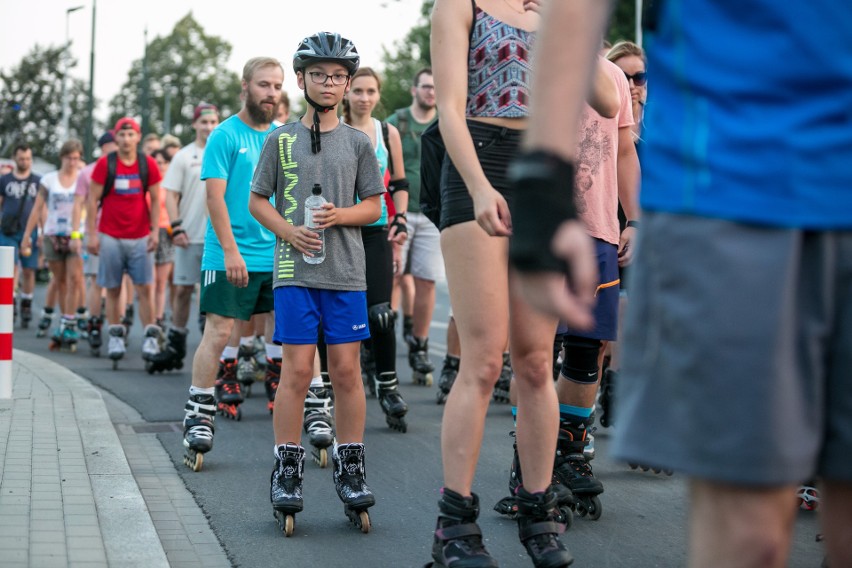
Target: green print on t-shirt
[(286, 266)]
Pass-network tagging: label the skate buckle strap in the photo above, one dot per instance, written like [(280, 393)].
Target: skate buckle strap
[(454, 532), (542, 528), (197, 408)]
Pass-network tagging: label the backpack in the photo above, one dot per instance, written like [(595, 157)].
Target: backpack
[(387, 145), (112, 166), (402, 121)]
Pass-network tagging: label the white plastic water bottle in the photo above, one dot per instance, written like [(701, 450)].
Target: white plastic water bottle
[(313, 202)]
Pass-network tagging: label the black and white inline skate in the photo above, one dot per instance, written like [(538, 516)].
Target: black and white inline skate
[(171, 355), (248, 370), (573, 470), (606, 398), (508, 506), (539, 529), (229, 396), (418, 359), (270, 383), (448, 377), (351, 484), (83, 323), (458, 539), (285, 491), (318, 423), (65, 337), (504, 381), (391, 401), (152, 347), (26, 312), (117, 346), (44, 322), (198, 429), (94, 336)]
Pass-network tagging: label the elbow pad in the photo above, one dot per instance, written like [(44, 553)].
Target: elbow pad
[(543, 186), (398, 185)]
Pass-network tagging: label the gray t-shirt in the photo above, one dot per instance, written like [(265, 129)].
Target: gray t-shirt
[(345, 167)]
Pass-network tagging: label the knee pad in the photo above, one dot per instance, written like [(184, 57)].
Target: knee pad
[(580, 363), (382, 317)]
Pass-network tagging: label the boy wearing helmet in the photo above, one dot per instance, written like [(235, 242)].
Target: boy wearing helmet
[(319, 150)]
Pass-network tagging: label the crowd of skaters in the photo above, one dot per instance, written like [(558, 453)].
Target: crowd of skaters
[(225, 215)]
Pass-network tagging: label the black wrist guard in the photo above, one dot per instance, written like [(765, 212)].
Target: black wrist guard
[(398, 185), (401, 226), (543, 188), (176, 223)]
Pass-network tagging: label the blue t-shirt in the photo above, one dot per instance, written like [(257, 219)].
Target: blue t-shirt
[(749, 114), (232, 152)]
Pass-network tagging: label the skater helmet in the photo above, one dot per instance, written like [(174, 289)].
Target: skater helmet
[(326, 46)]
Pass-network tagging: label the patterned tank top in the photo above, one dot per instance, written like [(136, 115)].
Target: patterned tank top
[(498, 62)]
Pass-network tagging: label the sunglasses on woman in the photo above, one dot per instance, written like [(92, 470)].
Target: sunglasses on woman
[(639, 79)]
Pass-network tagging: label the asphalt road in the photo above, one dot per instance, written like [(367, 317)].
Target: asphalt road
[(644, 515)]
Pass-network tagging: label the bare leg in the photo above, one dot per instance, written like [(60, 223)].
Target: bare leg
[(424, 305), (205, 364), (181, 300), (161, 275), (296, 367), (836, 512), (350, 404), (145, 299), (740, 527)]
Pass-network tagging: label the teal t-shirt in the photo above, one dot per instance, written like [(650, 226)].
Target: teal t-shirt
[(232, 152)]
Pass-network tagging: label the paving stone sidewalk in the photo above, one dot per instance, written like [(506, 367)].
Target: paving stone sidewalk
[(68, 496)]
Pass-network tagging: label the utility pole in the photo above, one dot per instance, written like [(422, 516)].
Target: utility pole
[(64, 130), (146, 112), (88, 135)]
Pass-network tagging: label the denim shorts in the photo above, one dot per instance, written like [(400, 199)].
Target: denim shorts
[(299, 311), (117, 256), (496, 147), (28, 262)]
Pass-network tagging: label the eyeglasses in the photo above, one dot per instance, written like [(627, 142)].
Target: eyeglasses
[(639, 79), (320, 78), (426, 87)]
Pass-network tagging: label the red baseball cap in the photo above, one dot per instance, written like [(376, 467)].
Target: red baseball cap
[(203, 109), (127, 122)]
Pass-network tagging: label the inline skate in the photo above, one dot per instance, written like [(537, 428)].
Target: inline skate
[(229, 396), (26, 312), (127, 321), (501, 389), (418, 358), (45, 322), (368, 369), (448, 377), (285, 491), (407, 328), (152, 348), (198, 429), (607, 397), (260, 355), (95, 339), (539, 529), (508, 506), (573, 469), (458, 539), (391, 401), (65, 337), (171, 356), (117, 345), (318, 423), (273, 376), (83, 323), (351, 485), (247, 369)]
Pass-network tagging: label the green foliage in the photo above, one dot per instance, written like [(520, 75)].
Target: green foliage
[(192, 67), (31, 108), (409, 55), (622, 25)]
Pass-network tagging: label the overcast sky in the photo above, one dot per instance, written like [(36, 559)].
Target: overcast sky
[(253, 27)]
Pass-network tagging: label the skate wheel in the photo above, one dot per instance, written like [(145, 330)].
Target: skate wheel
[(179, 365), (321, 457), (595, 508), (364, 521), (440, 397), (115, 364), (96, 352), (289, 525), (149, 367), (73, 348), (633, 465), (197, 463), (566, 516)]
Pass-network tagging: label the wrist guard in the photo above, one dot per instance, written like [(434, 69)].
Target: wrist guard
[(398, 185), (543, 186), (401, 226)]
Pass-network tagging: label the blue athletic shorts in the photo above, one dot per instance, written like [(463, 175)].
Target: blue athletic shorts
[(606, 296), (299, 311)]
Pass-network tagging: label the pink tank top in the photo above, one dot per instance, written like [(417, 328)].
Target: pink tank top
[(498, 83)]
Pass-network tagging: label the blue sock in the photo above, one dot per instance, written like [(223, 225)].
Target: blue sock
[(575, 414), (515, 415)]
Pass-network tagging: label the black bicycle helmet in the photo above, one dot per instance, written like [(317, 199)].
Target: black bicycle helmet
[(326, 46)]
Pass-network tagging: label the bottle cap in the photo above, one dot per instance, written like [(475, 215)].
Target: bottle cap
[(317, 190)]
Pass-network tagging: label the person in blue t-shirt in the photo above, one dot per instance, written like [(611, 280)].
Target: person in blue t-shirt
[(236, 279), (736, 359)]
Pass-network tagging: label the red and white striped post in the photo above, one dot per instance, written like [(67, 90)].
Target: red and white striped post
[(7, 318)]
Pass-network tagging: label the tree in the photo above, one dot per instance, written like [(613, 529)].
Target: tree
[(187, 67), (622, 25), (410, 55), (32, 103)]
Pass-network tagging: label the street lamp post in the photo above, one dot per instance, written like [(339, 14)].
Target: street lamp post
[(65, 57), (90, 109)]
